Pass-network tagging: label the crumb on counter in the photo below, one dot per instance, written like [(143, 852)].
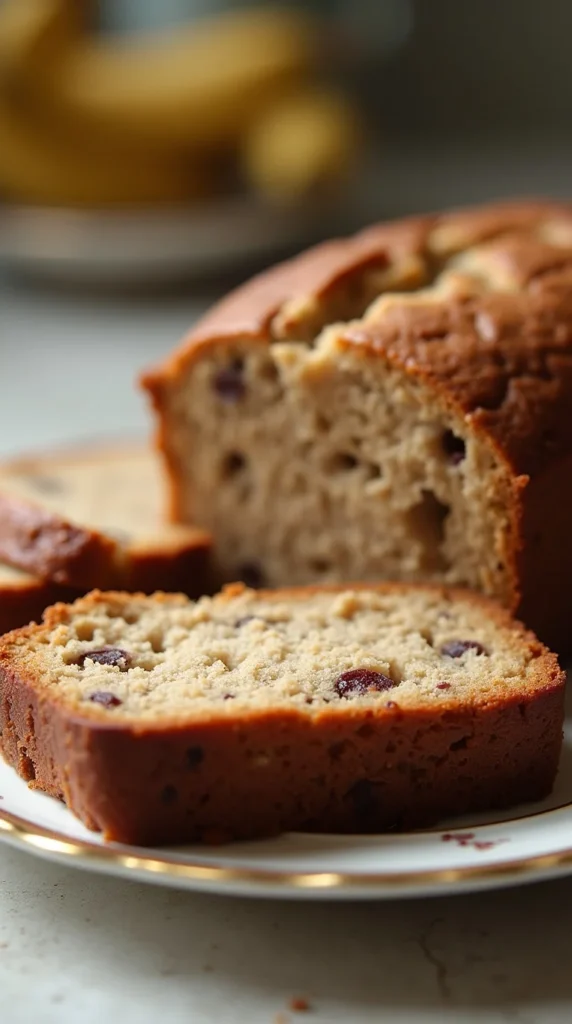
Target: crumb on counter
[(299, 1004)]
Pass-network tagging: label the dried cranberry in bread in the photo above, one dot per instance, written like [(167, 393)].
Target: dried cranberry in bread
[(92, 517), (161, 720), (23, 598), (393, 405)]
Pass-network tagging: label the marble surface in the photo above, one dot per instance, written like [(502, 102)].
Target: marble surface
[(75, 947)]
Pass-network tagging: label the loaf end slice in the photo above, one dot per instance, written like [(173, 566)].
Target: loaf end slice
[(93, 517), (23, 598), (159, 720)]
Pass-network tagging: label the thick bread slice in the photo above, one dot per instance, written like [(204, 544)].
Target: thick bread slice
[(23, 598), (92, 517), (161, 720), (394, 405)]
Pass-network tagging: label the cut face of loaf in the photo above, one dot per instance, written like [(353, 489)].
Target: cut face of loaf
[(162, 720), (392, 406), (335, 465)]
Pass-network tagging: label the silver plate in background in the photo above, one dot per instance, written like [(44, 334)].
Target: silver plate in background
[(127, 247)]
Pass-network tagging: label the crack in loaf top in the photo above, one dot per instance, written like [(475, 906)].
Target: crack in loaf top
[(478, 301)]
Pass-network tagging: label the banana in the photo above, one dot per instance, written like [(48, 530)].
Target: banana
[(301, 143), (33, 32), (39, 168), (194, 88), (98, 121)]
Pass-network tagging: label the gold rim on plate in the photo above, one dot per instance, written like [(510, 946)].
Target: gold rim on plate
[(36, 838)]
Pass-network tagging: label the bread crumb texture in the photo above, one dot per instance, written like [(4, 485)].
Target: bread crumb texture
[(127, 656)]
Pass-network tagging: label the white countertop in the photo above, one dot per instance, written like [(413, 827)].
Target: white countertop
[(75, 947), (79, 948), (69, 362)]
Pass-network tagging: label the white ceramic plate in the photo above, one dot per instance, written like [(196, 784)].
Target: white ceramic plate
[(526, 844)]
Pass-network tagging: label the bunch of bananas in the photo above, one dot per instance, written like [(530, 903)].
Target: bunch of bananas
[(87, 120)]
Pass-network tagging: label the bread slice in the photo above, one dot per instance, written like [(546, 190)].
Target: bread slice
[(92, 517), (23, 598), (161, 720), (393, 405)]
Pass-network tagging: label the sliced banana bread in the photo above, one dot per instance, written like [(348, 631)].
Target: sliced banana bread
[(393, 405), (346, 710), (93, 517), (23, 598)]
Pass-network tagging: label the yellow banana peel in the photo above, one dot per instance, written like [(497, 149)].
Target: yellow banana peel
[(88, 120), (301, 143), (35, 32), (38, 167), (199, 86)]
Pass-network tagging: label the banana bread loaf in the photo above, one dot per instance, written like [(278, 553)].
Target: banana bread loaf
[(393, 405), (93, 517), (161, 720)]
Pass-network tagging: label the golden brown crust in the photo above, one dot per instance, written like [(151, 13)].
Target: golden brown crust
[(51, 546), (504, 358), (265, 771), (336, 774), (494, 340), (249, 311)]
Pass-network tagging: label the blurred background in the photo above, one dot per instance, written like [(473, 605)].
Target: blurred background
[(154, 152)]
